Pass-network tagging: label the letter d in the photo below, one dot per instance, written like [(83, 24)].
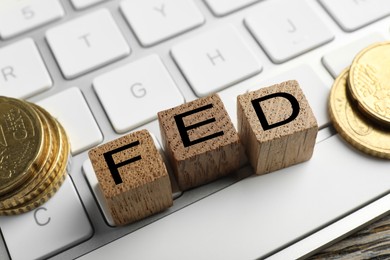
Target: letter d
[(260, 113)]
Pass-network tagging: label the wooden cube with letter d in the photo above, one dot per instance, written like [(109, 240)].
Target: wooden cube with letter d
[(276, 126), (132, 177)]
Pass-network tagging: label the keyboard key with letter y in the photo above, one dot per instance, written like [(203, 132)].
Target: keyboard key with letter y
[(155, 21)]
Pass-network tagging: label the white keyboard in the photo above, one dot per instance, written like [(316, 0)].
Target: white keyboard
[(104, 68)]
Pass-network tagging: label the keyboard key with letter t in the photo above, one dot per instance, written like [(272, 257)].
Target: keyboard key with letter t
[(215, 60), (86, 43), (286, 29)]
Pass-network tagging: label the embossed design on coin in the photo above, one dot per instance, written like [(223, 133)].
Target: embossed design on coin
[(355, 122), (34, 155), (352, 125), (369, 81), (20, 143)]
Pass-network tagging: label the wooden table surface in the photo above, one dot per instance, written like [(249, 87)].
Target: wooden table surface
[(372, 242)]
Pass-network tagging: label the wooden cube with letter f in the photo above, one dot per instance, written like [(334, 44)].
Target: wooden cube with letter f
[(132, 177), (276, 126)]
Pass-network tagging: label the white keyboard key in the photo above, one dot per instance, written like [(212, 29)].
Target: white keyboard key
[(81, 4), (157, 20), (133, 94), (215, 60), (286, 29), (86, 43), (341, 58), (72, 111), (53, 227), (268, 211), (22, 71), (19, 16), (354, 14), (224, 7), (314, 89)]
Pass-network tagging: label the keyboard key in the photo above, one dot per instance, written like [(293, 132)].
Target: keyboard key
[(81, 4), (70, 108), (224, 7), (55, 226), (20, 16), (354, 14), (86, 43), (215, 60), (22, 71), (341, 58), (133, 94), (157, 20), (286, 29)]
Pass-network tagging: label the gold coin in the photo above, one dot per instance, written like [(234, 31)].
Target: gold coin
[(61, 153), (369, 81), (58, 170), (356, 129), (41, 198), (29, 189), (21, 143)]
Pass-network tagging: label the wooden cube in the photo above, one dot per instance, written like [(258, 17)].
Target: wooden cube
[(132, 176), (277, 126), (200, 141)]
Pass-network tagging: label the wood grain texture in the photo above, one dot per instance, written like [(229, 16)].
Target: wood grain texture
[(372, 242), (276, 126), (144, 187), (200, 141)]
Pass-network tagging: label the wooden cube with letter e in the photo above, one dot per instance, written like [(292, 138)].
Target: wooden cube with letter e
[(200, 141), (276, 126), (132, 177)]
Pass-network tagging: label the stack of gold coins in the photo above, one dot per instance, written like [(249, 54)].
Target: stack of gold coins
[(34, 155), (359, 103)]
